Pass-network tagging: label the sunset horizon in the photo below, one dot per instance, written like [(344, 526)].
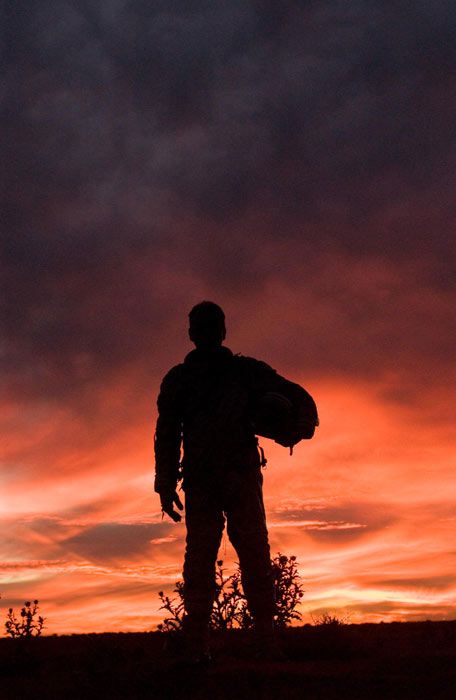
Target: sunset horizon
[(295, 167)]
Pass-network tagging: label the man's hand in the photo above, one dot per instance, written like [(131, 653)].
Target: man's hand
[(167, 500)]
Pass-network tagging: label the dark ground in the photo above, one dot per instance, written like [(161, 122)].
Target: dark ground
[(396, 660)]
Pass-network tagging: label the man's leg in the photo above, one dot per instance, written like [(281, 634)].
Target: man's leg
[(248, 533), (205, 523)]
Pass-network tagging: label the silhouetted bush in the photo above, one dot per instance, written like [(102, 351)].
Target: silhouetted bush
[(230, 608), (29, 623), (288, 589), (333, 620), (175, 608)]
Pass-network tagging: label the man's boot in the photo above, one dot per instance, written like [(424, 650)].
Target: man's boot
[(267, 647), (196, 642)]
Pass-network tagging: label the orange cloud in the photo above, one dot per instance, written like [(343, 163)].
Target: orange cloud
[(371, 524)]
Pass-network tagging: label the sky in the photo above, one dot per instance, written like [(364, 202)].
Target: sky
[(293, 162)]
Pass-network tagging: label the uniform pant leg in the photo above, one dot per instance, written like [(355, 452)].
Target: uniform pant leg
[(246, 524), (205, 522)]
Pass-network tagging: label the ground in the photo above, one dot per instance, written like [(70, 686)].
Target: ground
[(363, 662)]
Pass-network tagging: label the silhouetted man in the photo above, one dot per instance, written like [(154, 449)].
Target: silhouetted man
[(206, 402)]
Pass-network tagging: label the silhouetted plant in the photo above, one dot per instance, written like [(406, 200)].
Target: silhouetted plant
[(29, 623), (288, 589), (175, 608), (230, 608), (333, 620), (230, 605)]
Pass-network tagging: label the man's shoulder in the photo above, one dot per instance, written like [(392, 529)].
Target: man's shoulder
[(173, 376), (252, 365)]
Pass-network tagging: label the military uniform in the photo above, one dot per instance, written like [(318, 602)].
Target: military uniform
[(205, 404)]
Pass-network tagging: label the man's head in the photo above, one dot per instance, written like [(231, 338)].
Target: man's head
[(207, 325)]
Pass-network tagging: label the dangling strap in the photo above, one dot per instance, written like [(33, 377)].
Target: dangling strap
[(263, 460), (291, 450)]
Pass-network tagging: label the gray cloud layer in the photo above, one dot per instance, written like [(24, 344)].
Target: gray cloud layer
[(157, 152)]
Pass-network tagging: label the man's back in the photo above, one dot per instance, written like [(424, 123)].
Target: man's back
[(208, 402), (211, 396)]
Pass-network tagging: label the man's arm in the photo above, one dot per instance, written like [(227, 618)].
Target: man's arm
[(168, 436), (264, 378)]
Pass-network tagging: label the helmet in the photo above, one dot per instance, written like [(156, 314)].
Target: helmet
[(273, 417)]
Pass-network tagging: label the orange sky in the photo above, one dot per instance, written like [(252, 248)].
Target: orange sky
[(367, 507), (293, 162)]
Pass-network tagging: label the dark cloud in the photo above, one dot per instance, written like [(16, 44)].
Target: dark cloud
[(46, 542), (110, 541), (124, 590), (372, 516), (336, 524), (155, 152), (385, 610), (441, 583)]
